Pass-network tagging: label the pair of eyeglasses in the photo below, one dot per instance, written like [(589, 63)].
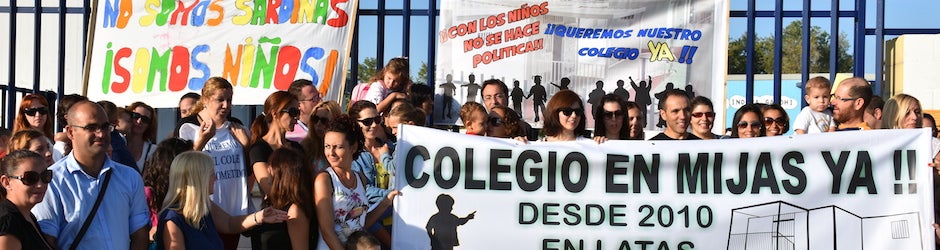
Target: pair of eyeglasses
[(768, 121), (30, 178), (844, 99), (318, 119), (745, 124), (292, 112), (369, 121), (569, 111), (612, 115), (143, 118), (95, 128), (706, 114), (34, 111), (494, 120)]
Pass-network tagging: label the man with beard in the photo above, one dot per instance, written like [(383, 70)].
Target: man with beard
[(849, 102)]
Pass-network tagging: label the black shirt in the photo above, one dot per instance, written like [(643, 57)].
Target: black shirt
[(13, 223), (261, 151), (663, 137)]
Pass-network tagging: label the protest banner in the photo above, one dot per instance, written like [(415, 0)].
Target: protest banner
[(631, 48), (846, 190), (156, 51)]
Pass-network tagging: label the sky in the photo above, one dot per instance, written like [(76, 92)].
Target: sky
[(898, 14)]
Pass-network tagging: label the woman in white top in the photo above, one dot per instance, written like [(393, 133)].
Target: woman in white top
[(141, 134), (339, 192), (213, 131), (564, 120)]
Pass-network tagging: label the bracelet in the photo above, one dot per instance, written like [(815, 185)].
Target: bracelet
[(255, 217)]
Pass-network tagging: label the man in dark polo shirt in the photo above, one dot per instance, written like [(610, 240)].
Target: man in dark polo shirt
[(674, 109)]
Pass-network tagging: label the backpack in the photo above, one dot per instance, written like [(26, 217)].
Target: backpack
[(359, 92)]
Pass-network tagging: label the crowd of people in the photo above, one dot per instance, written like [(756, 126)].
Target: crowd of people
[(325, 174)]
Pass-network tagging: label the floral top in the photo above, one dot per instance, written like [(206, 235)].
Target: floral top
[(349, 208)]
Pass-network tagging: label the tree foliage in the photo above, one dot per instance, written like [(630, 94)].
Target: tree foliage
[(792, 52)]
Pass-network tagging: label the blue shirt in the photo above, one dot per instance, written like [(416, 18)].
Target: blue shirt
[(365, 164), (72, 194)]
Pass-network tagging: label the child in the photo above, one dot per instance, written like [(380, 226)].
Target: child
[(816, 117), (362, 240), (389, 84), (474, 116)]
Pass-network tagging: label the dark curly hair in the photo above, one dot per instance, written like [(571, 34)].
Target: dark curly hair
[(349, 127), (157, 168)]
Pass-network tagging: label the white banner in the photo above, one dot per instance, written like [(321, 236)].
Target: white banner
[(156, 51), (590, 47), (846, 190)]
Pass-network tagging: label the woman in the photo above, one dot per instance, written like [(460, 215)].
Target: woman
[(292, 191), (902, 111), (776, 120), (637, 121), (25, 179), (703, 118), (189, 220), (504, 123), (34, 114), (323, 113), (339, 191), (213, 130), (610, 120), (375, 161), (269, 130), (32, 140), (142, 133), (564, 120), (156, 175), (748, 122)]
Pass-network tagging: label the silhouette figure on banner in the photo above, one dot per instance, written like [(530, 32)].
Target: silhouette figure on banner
[(622, 92), (595, 96), (660, 96), (442, 226), (642, 92), (538, 95), (689, 92), (517, 97), (448, 96), (472, 89), (564, 84)]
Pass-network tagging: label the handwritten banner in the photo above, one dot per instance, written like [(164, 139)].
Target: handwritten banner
[(157, 51), (847, 190), (591, 47)]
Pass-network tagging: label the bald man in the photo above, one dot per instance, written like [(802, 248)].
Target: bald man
[(122, 220), (849, 102)]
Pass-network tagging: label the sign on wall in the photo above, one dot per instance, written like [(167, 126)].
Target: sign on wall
[(156, 51), (806, 192)]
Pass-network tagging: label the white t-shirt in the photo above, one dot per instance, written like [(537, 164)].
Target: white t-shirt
[(146, 153), (377, 92), (231, 185), (813, 122)]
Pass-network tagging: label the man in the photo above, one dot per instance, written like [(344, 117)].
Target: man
[(849, 102), (873, 112), (308, 98), (674, 109), (187, 102), (122, 220), (495, 93)]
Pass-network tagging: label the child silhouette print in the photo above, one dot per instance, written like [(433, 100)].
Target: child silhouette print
[(442, 226)]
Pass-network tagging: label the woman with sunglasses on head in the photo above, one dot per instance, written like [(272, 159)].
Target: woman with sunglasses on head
[(268, 133), (32, 140), (610, 120), (748, 122), (323, 113), (564, 120), (213, 130), (142, 133), (776, 119), (703, 118), (24, 179), (375, 161)]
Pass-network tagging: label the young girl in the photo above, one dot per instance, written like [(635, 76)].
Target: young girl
[(474, 118), (389, 84)]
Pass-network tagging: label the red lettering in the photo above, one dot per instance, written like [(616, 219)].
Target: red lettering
[(121, 87), (181, 13), (272, 11), (341, 17), (179, 69), (288, 59)]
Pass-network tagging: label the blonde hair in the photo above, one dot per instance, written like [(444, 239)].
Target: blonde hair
[(212, 86), (818, 82), (20, 139), (190, 175), (895, 110), (313, 143)]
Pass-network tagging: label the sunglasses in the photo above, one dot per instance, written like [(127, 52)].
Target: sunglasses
[(33, 111), (745, 124), (143, 118), (318, 119), (369, 121), (494, 120), (292, 112), (569, 111), (612, 115), (30, 178), (706, 114), (768, 121)]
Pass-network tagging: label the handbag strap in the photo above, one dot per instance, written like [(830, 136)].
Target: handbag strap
[(94, 210)]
